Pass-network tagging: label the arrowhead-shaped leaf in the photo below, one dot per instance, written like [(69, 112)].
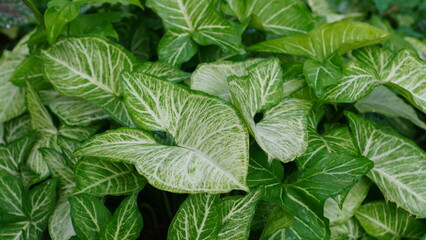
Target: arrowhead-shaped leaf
[(386, 221), (89, 68), (399, 164), (99, 178), (187, 21), (280, 17), (126, 223), (322, 42), (211, 139), (89, 216), (198, 218), (163, 70), (376, 66)]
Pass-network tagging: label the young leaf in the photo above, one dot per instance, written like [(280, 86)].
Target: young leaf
[(399, 164), (99, 178), (126, 222), (89, 68), (212, 77), (189, 21), (58, 14), (277, 220), (386, 221), (280, 17), (384, 101), (322, 42), (89, 216), (76, 112), (237, 214), (198, 218), (376, 66)]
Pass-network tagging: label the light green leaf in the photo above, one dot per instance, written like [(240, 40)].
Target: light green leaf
[(237, 214), (126, 222), (280, 17), (89, 216), (322, 74), (187, 21), (163, 70), (339, 213), (89, 68), (170, 168), (31, 70), (386, 221), (99, 178), (350, 230), (58, 14), (11, 97), (399, 164), (212, 77), (219, 154), (17, 128), (76, 112), (322, 9), (198, 218), (281, 131), (376, 66), (322, 42), (384, 101), (60, 224), (419, 45)]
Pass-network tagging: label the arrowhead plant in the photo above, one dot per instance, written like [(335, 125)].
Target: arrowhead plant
[(212, 120)]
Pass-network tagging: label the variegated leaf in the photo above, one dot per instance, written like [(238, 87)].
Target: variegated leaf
[(11, 195), (31, 70), (100, 178), (237, 214), (280, 17), (17, 128), (12, 97), (212, 77), (350, 230), (89, 68), (187, 21), (198, 218), (74, 111), (399, 164), (277, 220), (89, 216), (219, 154), (384, 101), (126, 223), (323, 41), (385, 220), (404, 72), (14, 154)]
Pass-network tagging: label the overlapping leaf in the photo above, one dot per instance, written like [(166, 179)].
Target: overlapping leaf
[(89, 68), (280, 17), (323, 41), (219, 153), (399, 164), (189, 22), (376, 66), (386, 221)]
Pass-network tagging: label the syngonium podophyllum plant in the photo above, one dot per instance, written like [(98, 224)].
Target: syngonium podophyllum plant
[(267, 119)]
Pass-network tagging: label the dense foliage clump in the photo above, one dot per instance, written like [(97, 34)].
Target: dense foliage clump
[(212, 119)]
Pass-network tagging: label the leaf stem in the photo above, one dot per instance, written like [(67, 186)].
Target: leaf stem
[(167, 203), (36, 12)]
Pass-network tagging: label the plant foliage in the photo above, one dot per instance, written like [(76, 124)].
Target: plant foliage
[(212, 119)]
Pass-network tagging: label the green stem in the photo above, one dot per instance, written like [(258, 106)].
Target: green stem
[(36, 12), (168, 208)]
